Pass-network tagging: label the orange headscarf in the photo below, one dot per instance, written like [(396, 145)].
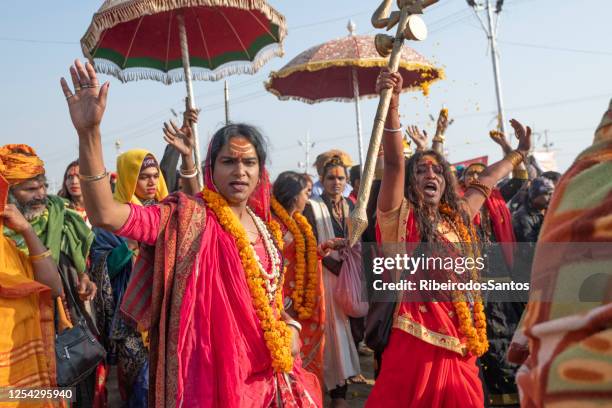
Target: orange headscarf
[(19, 162)]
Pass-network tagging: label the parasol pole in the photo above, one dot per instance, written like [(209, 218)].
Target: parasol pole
[(190, 99), (226, 100), (358, 116), (382, 18), (351, 28)]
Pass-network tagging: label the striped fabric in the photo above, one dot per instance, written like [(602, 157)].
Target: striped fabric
[(569, 317)]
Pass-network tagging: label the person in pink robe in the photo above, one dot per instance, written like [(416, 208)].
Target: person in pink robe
[(188, 288)]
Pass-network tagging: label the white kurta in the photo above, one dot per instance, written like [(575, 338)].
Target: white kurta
[(340, 358)]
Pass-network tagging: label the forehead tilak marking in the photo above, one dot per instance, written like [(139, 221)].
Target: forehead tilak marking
[(240, 147)]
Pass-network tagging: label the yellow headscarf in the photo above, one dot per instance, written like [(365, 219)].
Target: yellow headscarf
[(19, 162), (128, 170)]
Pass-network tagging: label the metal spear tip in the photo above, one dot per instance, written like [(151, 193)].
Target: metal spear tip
[(351, 27), (358, 222)]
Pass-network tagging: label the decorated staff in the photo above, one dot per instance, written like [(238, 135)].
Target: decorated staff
[(412, 27)]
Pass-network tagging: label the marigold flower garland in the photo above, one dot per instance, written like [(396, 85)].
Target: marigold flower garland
[(475, 331), (306, 260), (312, 265), (277, 334)]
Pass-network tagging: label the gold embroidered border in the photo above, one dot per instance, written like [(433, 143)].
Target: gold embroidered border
[(504, 399), (419, 331)]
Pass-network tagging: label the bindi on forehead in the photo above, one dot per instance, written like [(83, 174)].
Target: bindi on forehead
[(240, 147), (428, 160)]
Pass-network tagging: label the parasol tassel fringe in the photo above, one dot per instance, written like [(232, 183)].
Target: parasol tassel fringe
[(337, 99), (200, 74), (134, 9)]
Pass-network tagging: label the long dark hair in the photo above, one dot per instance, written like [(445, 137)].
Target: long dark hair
[(251, 133), (64, 193), (287, 186), (423, 212)]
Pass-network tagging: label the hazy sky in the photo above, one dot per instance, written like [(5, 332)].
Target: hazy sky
[(556, 60)]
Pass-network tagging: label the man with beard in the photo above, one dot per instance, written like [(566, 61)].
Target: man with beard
[(61, 230)]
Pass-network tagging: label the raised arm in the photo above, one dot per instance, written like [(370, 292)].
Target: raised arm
[(438, 140), (519, 173), (392, 185), (45, 269), (183, 141), (419, 138), (86, 105), (478, 191)]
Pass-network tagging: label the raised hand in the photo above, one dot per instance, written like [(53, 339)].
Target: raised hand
[(523, 135), (88, 101), (499, 138), (443, 122), (420, 139), (181, 138), (190, 116), (388, 80)]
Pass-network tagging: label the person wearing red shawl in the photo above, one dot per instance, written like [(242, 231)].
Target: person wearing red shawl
[(493, 225), (208, 281), (440, 340)]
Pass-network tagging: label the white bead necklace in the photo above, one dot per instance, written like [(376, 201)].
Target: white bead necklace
[(271, 279)]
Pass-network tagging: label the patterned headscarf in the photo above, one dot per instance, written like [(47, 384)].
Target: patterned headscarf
[(19, 163), (129, 166)]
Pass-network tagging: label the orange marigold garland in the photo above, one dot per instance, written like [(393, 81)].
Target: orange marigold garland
[(306, 279), (297, 295), (277, 335), (475, 330), (312, 263)]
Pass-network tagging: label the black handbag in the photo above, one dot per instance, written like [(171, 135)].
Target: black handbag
[(77, 350)]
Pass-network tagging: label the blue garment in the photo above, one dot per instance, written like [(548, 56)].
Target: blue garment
[(140, 390), (112, 267)]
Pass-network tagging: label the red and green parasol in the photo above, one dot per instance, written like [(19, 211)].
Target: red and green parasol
[(176, 40)]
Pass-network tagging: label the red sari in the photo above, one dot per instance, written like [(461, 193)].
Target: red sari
[(426, 363), (207, 344), (312, 334)]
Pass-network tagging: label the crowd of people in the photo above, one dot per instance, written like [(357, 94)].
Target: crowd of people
[(235, 294)]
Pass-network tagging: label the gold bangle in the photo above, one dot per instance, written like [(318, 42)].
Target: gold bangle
[(40, 257), (514, 157), (482, 188), (439, 139), (520, 174), (93, 178)]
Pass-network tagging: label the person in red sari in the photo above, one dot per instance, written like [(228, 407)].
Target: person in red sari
[(207, 284), (303, 285), (430, 360)]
